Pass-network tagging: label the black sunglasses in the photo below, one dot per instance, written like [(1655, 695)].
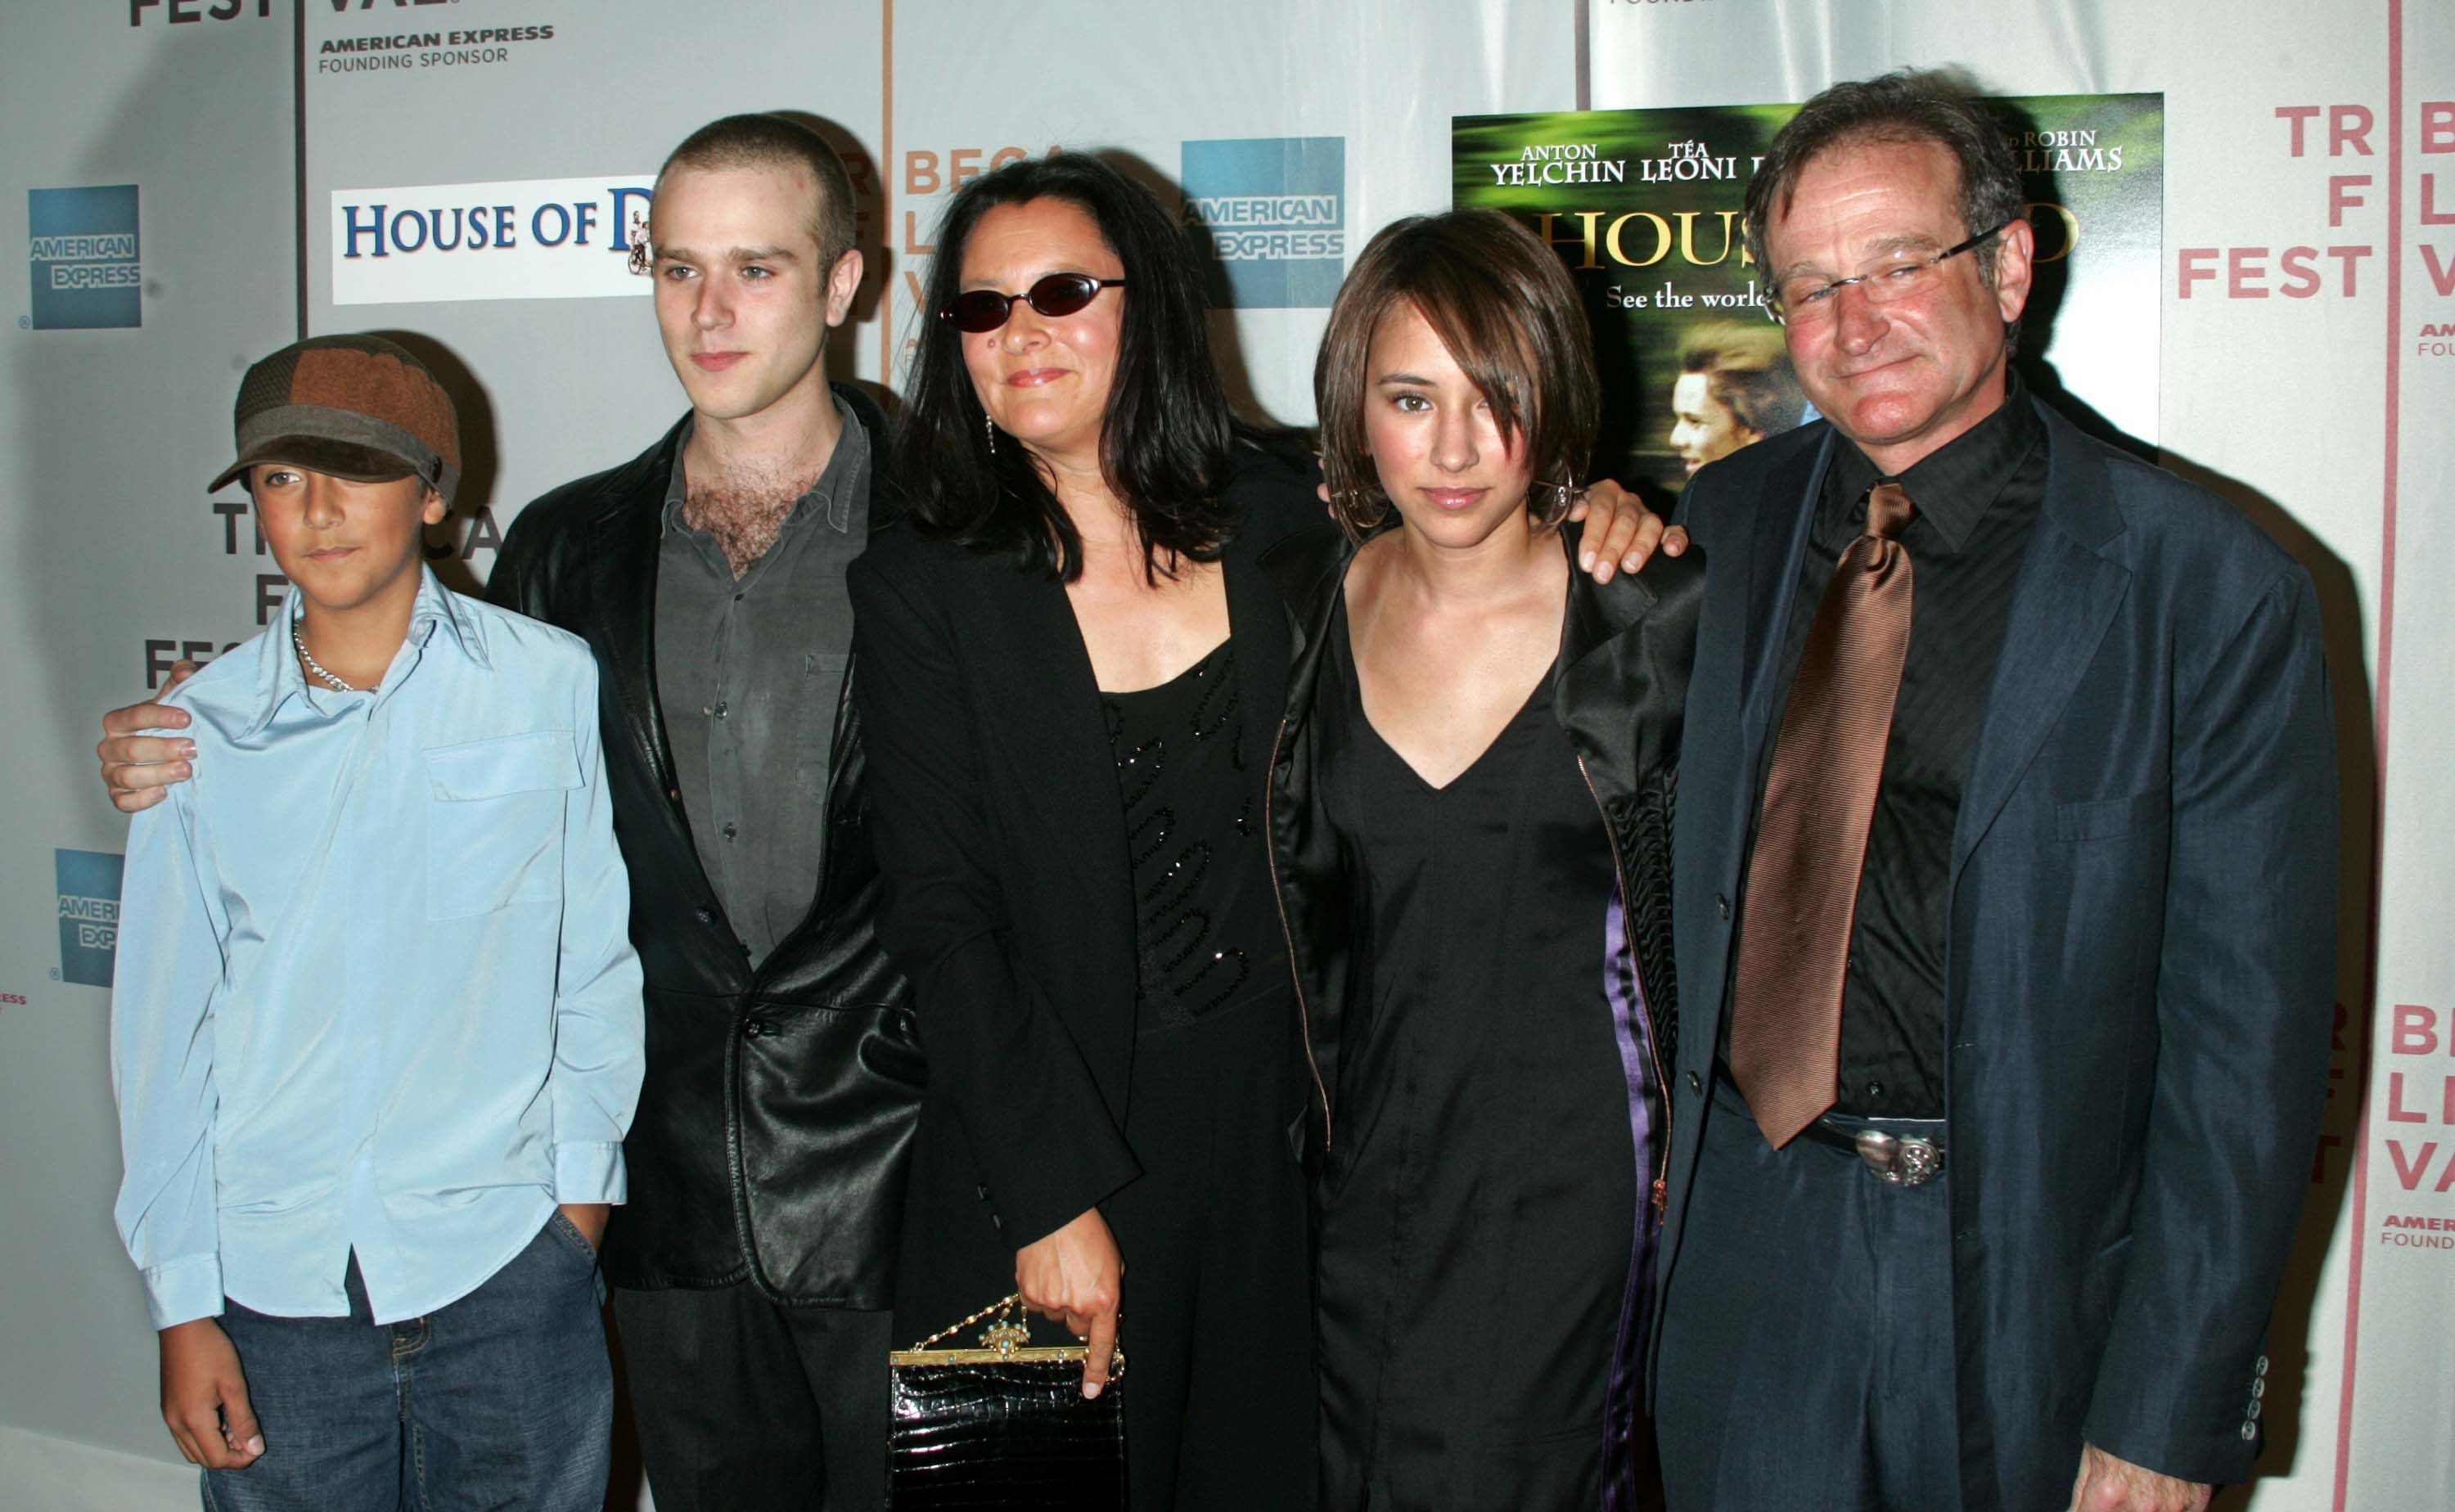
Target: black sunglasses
[(985, 309)]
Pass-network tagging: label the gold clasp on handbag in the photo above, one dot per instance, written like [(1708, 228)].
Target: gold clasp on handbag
[(1007, 1332), (1008, 1336)]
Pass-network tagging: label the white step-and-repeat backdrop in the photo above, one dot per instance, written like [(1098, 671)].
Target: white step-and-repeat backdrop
[(201, 181)]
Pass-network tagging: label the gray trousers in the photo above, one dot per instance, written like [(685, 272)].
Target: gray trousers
[(1807, 1346)]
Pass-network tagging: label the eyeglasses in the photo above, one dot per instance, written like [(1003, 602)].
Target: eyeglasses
[(1806, 301), (985, 309)]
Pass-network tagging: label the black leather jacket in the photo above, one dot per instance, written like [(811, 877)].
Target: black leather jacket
[(775, 1120), (1619, 689)]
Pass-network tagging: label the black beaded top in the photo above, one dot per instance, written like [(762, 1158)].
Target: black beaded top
[(1202, 912)]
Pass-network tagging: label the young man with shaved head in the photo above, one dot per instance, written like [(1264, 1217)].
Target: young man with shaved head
[(752, 1279)]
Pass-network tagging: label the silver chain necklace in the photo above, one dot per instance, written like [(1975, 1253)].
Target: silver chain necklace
[(308, 658)]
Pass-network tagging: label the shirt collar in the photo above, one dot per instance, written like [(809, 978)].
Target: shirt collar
[(1954, 485), (438, 616), (439, 608), (831, 496)]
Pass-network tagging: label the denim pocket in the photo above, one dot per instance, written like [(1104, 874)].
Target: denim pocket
[(493, 822), (569, 1233)]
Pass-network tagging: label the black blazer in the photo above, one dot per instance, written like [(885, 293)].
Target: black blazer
[(777, 1116), (1008, 890), (2142, 928)]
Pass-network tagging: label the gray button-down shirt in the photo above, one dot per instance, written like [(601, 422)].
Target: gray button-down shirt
[(749, 673)]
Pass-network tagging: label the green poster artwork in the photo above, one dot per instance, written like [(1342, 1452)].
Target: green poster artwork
[(1646, 208)]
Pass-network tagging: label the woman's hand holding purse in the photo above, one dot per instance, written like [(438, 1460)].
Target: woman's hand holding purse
[(1076, 1277)]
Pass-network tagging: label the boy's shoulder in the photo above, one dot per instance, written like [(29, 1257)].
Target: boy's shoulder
[(513, 639), (227, 693)]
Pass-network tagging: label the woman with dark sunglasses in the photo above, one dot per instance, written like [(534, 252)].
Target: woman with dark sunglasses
[(1470, 818), (1067, 672), (1070, 666)]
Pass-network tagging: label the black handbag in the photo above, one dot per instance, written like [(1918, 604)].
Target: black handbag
[(1005, 1425)]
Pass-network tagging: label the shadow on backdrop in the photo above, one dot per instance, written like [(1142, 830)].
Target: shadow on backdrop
[(1227, 340), (878, 268), (2290, 1348), (471, 526)]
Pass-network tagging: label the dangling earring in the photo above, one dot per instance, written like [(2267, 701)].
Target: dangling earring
[(991, 425)]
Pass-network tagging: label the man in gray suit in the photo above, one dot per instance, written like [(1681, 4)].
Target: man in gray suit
[(2004, 898)]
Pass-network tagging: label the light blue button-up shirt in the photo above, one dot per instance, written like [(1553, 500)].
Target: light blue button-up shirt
[(375, 989)]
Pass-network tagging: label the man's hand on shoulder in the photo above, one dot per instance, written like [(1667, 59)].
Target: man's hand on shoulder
[(2108, 1484), (1620, 532), (138, 770)]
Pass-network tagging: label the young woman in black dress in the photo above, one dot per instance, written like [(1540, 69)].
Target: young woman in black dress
[(1470, 811)]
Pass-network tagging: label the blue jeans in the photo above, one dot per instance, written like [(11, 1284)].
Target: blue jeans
[(503, 1400)]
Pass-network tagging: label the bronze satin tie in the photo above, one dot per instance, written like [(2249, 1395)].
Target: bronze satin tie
[(1820, 799)]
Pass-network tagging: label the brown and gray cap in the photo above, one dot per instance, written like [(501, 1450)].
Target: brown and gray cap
[(356, 407)]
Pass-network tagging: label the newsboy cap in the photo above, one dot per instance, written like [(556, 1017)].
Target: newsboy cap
[(356, 407)]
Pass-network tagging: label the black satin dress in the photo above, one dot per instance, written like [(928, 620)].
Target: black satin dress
[(1478, 1211), (1219, 1394)]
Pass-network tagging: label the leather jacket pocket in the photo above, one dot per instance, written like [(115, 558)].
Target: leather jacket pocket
[(494, 822), (829, 1105)]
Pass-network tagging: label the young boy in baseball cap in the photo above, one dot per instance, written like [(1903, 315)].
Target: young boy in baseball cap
[(377, 1027)]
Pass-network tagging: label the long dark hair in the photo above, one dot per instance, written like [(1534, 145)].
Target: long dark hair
[(1164, 442)]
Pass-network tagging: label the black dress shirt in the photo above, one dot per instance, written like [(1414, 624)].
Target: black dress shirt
[(749, 672), (1978, 498)]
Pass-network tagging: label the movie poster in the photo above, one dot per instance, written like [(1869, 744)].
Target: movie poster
[(1646, 209)]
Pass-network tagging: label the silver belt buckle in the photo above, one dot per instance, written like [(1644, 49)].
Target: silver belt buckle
[(1910, 1161)]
